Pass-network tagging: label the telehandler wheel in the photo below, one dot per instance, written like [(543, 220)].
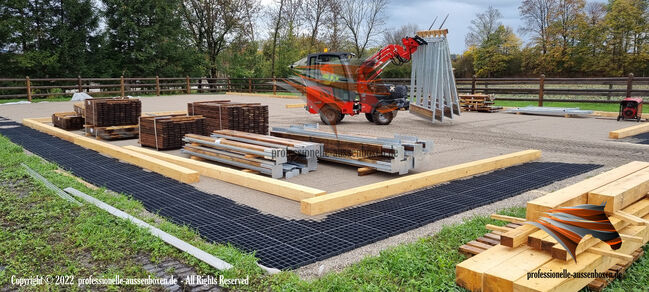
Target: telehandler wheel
[(382, 118), (330, 115), (369, 117)]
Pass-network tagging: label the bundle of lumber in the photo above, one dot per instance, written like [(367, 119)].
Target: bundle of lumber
[(68, 121), (167, 131), (111, 119), (256, 153), (392, 155), (227, 115), (478, 102), (528, 249)]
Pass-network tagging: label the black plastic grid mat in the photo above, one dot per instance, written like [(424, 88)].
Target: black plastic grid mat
[(279, 242), (637, 139)]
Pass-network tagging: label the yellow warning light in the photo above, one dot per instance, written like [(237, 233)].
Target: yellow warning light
[(326, 50)]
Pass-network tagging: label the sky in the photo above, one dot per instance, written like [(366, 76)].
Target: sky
[(461, 12)]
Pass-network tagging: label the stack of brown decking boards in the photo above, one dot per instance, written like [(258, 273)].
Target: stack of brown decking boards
[(478, 102), (167, 131), (227, 115), (527, 249), (256, 153), (68, 121), (393, 155), (112, 118)]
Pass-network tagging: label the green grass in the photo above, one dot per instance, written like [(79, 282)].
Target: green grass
[(605, 107), (42, 234)]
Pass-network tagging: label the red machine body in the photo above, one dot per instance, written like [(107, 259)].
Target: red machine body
[(334, 87), (631, 109)]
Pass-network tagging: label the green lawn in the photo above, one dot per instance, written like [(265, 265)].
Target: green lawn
[(605, 107), (42, 234)]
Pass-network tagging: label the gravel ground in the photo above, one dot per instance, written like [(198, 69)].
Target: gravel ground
[(470, 137)]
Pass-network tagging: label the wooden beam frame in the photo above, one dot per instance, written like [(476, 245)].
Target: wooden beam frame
[(630, 131), (167, 169), (269, 185), (358, 195)]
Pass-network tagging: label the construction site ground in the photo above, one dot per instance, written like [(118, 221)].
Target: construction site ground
[(470, 137)]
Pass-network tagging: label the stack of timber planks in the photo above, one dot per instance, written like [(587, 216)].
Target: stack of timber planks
[(80, 109), (478, 102), (227, 115), (276, 157), (68, 121), (392, 155), (526, 248), (111, 119), (167, 131)]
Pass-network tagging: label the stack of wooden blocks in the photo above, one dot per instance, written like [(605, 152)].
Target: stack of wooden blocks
[(478, 102), (527, 249), (227, 115), (112, 118), (68, 121), (167, 132)]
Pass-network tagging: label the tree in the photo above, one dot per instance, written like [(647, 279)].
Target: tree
[(146, 38), (213, 24), (482, 26), (314, 12), (537, 16), (394, 36), (494, 57), (362, 18)]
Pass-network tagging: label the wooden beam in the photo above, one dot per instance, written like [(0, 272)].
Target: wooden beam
[(621, 193), (167, 169), (518, 236), (296, 105), (502, 276), (577, 194), (43, 120), (497, 228), (610, 253), (508, 218), (630, 131), (367, 193), (362, 171), (469, 273), (276, 187), (632, 219), (264, 95)]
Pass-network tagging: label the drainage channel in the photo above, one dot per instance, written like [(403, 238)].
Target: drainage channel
[(282, 243)]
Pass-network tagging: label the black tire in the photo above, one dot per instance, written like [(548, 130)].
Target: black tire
[(382, 118), (369, 117), (330, 115)]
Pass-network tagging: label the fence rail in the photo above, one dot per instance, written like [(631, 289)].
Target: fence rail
[(601, 89)]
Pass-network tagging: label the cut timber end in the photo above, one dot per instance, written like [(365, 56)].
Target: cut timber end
[(363, 194), (630, 131), (167, 169), (362, 171), (518, 236), (276, 187)]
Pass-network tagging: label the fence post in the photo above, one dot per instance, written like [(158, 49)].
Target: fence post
[(79, 86), (610, 89), (541, 87), (629, 85), (229, 86), (274, 87), (189, 88), (157, 85), (473, 84), (121, 86), (249, 85), (28, 84)]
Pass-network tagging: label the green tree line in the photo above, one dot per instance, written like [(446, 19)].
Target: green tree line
[(568, 38)]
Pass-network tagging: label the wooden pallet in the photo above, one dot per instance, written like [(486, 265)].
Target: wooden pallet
[(112, 132), (478, 102)]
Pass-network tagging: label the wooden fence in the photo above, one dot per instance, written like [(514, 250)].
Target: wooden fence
[(601, 90)]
